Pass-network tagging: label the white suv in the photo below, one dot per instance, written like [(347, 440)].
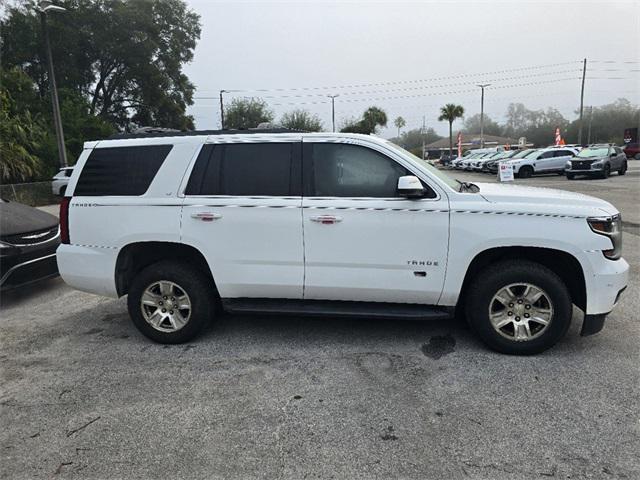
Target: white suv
[(330, 224), (545, 160)]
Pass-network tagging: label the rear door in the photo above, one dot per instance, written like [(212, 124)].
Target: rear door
[(362, 240), (560, 158), (242, 210), (544, 162)]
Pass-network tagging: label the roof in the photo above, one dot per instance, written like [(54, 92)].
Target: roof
[(193, 133)]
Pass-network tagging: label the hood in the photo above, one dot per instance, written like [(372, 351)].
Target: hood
[(16, 218), (545, 200)]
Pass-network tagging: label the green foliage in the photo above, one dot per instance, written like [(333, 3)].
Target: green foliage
[(538, 126), (372, 118), (124, 57), (472, 125), (412, 139), (450, 112), (301, 120), (607, 123), (399, 122), (247, 113)]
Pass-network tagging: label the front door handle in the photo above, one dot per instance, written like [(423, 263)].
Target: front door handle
[(326, 219), (206, 216)]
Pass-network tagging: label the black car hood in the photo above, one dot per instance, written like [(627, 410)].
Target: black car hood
[(16, 218)]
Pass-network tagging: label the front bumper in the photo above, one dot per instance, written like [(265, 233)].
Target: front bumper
[(23, 266)]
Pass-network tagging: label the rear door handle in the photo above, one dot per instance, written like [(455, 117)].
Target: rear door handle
[(326, 219), (206, 216)]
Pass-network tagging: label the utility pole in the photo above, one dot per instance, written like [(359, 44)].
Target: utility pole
[(589, 131), (584, 74), (43, 8), (482, 114), (221, 110), (333, 110), (424, 133)]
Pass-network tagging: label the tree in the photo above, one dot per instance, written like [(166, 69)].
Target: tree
[(472, 125), (399, 122), (301, 120), (608, 122), (247, 113), (124, 58), (450, 112), (412, 139), (372, 118)]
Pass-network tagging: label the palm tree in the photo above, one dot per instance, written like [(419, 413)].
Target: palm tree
[(399, 123), (450, 112)]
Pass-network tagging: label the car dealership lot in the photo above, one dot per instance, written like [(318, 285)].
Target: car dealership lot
[(84, 395)]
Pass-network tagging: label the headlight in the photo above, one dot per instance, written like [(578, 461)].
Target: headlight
[(568, 164), (597, 164), (609, 227)]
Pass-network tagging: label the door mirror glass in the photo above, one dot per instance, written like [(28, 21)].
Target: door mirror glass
[(410, 186)]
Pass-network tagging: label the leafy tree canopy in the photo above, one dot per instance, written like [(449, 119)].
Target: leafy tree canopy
[(472, 125), (301, 120), (123, 57), (247, 113), (372, 118)]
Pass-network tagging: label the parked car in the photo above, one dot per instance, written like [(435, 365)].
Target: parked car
[(632, 150), (545, 160), (28, 241), (478, 165), (597, 161), (493, 166), (489, 163), (60, 181), (302, 223)]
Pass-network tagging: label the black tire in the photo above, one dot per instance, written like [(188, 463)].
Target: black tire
[(499, 275), (623, 168), (571, 176), (606, 171), (63, 190), (525, 172), (637, 156), (192, 281)]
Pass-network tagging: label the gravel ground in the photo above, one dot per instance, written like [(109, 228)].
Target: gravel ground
[(83, 395)]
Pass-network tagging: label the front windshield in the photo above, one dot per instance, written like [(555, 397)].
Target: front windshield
[(524, 153), (593, 152), (441, 175)]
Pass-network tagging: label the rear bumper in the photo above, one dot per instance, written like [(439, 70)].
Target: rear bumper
[(90, 269)]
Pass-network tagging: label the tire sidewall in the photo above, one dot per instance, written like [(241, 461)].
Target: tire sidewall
[(509, 273), (191, 281)]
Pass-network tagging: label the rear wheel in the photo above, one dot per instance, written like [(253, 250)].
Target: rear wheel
[(637, 156), (518, 307), (525, 172), (170, 302), (623, 168)]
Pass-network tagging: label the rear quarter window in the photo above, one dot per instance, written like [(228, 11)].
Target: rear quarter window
[(124, 171)]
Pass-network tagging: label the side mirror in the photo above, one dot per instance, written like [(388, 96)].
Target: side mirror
[(410, 186), (612, 155)]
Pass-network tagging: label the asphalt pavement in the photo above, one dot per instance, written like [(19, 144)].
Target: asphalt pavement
[(84, 395)]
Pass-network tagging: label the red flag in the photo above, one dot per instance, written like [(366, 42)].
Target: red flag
[(558, 136), (459, 144)]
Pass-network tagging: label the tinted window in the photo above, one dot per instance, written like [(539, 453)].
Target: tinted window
[(342, 170), (243, 170), (120, 170), (545, 155), (563, 153)]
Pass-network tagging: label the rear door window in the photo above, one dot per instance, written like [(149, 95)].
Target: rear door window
[(246, 169), (119, 171)]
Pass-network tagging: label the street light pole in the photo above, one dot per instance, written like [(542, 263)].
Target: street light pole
[(482, 114), (333, 110), (221, 110), (45, 7)]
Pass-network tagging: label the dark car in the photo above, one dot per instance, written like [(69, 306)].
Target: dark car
[(632, 150), (597, 161), (28, 241)]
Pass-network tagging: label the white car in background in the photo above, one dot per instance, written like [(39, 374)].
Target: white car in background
[(60, 181), (545, 160)]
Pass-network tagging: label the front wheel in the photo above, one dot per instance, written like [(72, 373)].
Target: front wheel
[(170, 302), (518, 307), (606, 171), (525, 172), (570, 176), (623, 168)]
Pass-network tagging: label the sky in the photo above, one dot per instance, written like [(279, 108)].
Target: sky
[(410, 58)]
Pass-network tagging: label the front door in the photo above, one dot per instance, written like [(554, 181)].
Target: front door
[(242, 210), (361, 240)]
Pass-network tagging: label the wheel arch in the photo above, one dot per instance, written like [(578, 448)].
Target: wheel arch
[(562, 263), (134, 257)]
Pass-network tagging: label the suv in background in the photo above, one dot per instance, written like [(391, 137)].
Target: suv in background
[(330, 224), (545, 160), (597, 161), (492, 165), (60, 181)]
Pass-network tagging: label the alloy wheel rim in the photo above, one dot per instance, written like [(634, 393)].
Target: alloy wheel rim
[(165, 306), (521, 312)]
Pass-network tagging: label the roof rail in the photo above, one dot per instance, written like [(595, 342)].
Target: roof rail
[(150, 132)]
